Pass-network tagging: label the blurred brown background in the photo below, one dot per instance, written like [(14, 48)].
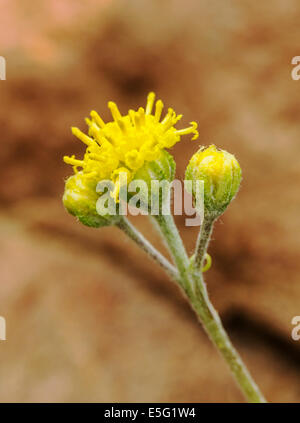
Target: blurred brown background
[(89, 317)]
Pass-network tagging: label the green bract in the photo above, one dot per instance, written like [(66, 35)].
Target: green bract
[(153, 180)]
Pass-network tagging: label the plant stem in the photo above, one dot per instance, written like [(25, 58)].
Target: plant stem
[(143, 243), (203, 240), (195, 288), (211, 321), (177, 250)]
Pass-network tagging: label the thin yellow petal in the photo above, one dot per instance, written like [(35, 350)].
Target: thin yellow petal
[(114, 110), (150, 103), (81, 136)]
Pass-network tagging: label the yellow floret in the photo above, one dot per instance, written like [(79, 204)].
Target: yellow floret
[(212, 160)]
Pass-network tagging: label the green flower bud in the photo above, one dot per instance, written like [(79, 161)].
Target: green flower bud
[(80, 198), (221, 174), (153, 180)]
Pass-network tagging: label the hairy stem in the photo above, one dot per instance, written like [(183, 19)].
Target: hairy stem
[(211, 321), (194, 286), (203, 241), (177, 250), (145, 245)]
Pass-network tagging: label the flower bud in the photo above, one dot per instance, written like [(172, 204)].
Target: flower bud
[(221, 174), (80, 198)]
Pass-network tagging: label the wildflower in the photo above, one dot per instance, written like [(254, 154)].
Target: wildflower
[(128, 143), (221, 174)]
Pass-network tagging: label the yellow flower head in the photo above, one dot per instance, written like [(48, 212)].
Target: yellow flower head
[(128, 142)]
